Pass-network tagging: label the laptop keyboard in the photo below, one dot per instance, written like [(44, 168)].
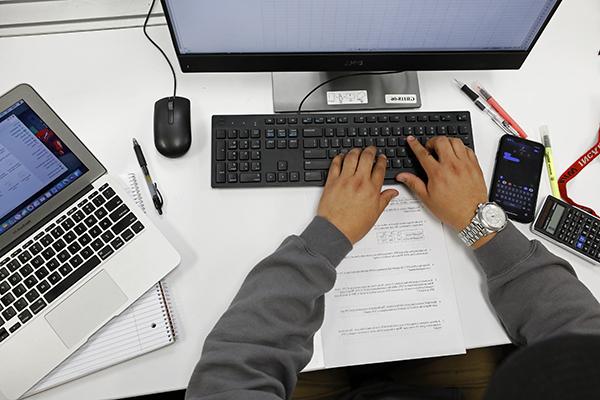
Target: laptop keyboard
[(43, 268)]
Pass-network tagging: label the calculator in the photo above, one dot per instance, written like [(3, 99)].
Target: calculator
[(569, 227)]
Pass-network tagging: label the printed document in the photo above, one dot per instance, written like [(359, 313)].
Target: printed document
[(394, 296)]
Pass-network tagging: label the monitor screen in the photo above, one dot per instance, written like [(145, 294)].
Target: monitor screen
[(355, 26), (35, 164)]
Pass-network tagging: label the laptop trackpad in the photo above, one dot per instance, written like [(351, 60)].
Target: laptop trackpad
[(81, 313)]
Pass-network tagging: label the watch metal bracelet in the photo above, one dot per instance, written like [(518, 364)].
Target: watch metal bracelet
[(473, 232)]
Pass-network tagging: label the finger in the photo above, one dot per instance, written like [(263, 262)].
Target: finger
[(414, 183), (441, 146), (365, 164), (335, 168), (471, 155), (459, 148), (350, 163), (378, 174), (385, 198), (425, 158)]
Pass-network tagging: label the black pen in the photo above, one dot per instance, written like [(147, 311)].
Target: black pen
[(492, 114), (153, 187)]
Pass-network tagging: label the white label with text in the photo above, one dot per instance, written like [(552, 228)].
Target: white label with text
[(401, 99), (347, 97)]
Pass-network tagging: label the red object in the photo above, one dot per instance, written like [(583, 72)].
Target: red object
[(496, 106), (574, 170), (48, 137)]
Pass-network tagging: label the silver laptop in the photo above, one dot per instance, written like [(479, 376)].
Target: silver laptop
[(75, 251)]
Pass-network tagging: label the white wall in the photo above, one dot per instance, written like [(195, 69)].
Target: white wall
[(33, 17)]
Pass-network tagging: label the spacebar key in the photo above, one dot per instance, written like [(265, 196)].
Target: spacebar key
[(70, 280)]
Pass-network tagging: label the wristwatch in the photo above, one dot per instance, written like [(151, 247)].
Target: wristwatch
[(489, 218)]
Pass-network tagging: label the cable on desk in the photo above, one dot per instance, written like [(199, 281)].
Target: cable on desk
[(341, 77), (159, 49)]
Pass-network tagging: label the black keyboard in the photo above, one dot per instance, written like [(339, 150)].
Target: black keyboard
[(296, 150), (66, 250)]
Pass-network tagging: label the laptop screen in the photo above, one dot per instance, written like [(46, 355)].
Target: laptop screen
[(35, 164)]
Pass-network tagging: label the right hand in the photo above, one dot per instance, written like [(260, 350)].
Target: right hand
[(455, 185)]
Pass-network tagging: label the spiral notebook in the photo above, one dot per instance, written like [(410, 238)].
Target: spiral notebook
[(144, 327)]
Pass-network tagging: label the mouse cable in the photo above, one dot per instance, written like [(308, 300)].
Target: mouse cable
[(159, 49), (341, 77)]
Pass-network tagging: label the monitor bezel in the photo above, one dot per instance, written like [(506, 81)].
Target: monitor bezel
[(47, 210), (376, 61)]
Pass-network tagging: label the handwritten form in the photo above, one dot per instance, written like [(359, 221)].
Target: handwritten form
[(394, 296)]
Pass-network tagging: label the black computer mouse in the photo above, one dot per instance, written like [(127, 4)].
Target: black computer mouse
[(172, 126)]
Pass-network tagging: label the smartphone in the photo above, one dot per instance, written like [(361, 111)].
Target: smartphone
[(516, 179)]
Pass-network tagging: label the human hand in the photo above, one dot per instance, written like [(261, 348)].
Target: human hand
[(455, 185), (352, 199)]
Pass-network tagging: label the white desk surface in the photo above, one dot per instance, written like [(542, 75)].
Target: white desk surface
[(104, 85)]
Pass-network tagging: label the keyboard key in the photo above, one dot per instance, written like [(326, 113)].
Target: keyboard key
[(15, 327), (19, 290), (117, 243), (250, 177), (38, 306), (20, 304), (30, 281), (9, 313), (113, 203), (3, 334), (127, 235), (24, 316), (13, 265), (4, 287), (35, 248), (32, 295), (14, 278), (313, 176), (316, 164), (7, 299), (315, 154), (105, 252), (97, 244), (37, 262), (65, 269), (54, 278), (43, 287), (137, 227), (24, 256)]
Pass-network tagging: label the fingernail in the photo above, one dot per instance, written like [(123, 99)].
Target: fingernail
[(410, 138), (400, 178)]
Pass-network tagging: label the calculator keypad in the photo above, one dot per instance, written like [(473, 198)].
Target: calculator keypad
[(581, 232)]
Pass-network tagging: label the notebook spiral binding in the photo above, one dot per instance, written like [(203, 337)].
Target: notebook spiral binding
[(166, 309), (136, 192)]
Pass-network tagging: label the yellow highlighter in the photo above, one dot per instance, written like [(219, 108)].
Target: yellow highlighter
[(545, 134)]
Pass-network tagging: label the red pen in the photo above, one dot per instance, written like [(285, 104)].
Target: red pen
[(501, 111)]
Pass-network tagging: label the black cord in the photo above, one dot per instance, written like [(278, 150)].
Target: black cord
[(161, 50), (338, 78)]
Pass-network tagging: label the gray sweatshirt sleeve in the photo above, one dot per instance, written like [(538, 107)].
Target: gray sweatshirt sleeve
[(535, 293), (264, 339)]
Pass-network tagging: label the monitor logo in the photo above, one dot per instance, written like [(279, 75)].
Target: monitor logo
[(354, 63)]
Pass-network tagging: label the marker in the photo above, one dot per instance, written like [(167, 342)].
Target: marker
[(545, 134), (475, 99), (501, 111)]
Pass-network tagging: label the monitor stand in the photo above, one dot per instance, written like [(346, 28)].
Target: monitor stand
[(363, 92)]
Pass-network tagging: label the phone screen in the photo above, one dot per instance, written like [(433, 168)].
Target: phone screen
[(516, 178)]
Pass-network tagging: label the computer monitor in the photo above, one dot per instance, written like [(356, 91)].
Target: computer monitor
[(354, 35)]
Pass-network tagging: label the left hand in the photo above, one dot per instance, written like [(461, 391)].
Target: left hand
[(352, 199)]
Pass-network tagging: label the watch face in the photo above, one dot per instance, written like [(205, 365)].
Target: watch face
[(493, 216)]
